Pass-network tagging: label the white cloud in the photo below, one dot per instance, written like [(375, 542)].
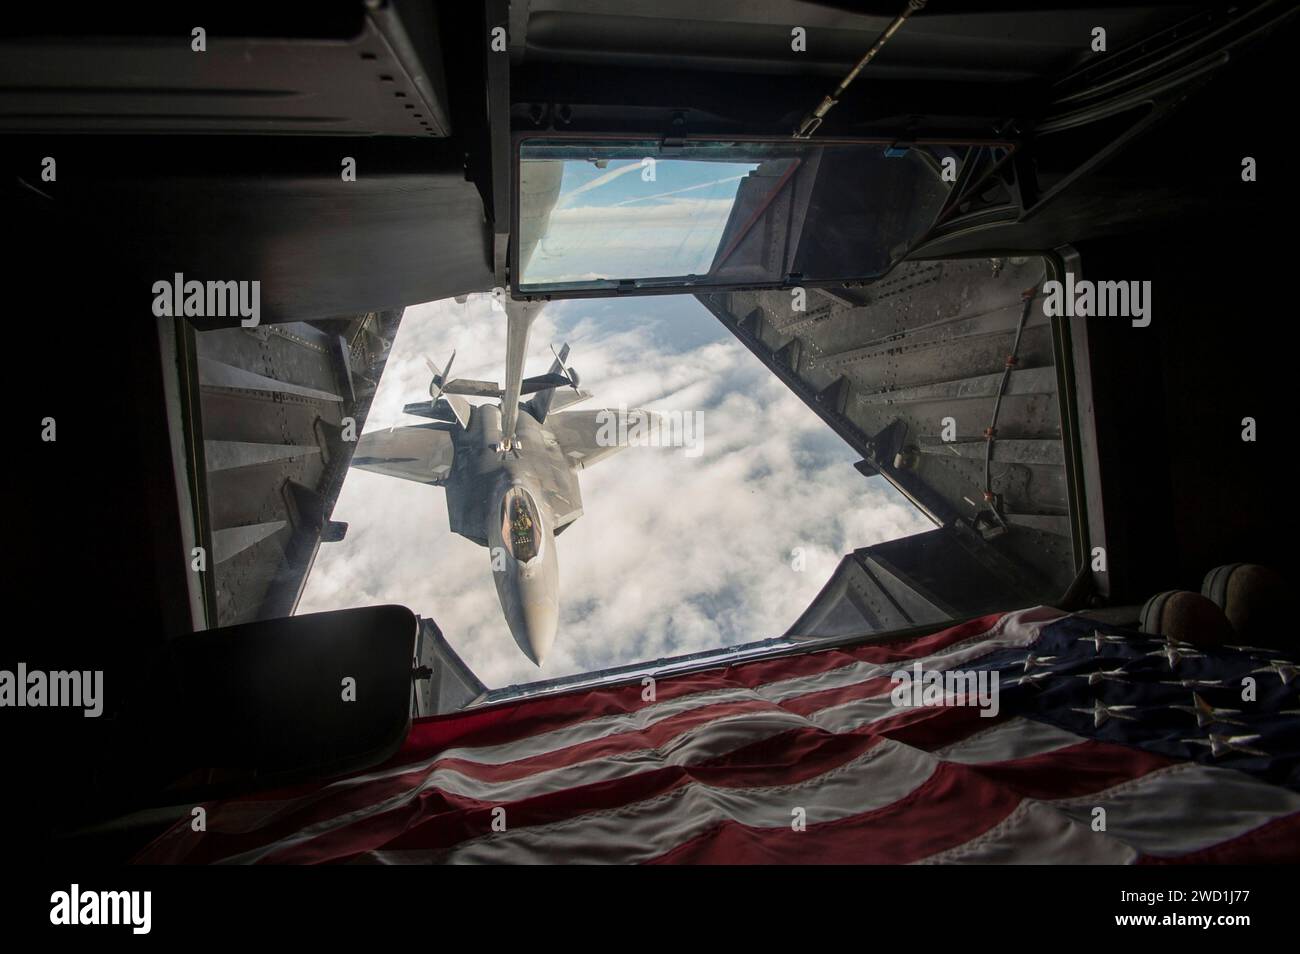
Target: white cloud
[(673, 237), (673, 554)]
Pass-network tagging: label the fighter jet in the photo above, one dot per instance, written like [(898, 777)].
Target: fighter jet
[(510, 470)]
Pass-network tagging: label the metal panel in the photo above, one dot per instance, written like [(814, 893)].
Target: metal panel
[(371, 83)]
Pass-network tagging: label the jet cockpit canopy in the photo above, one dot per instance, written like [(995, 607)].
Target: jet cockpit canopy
[(521, 530)]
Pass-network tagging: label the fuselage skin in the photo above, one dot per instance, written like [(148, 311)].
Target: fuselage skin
[(481, 479)]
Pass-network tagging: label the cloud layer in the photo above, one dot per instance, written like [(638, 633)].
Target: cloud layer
[(674, 554)]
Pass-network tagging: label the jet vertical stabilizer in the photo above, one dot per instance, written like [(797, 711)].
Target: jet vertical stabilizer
[(540, 405)]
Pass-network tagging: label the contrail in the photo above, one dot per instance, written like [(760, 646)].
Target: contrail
[(598, 182), (703, 185)]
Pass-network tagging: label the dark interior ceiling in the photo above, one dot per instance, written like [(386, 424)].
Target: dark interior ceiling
[(983, 42), (256, 126), (968, 61)]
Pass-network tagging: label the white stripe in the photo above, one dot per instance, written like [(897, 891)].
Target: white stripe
[(1037, 834), (1165, 813), (1211, 805), (1017, 738)]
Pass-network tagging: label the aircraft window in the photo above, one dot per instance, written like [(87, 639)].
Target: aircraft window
[(741, 517), (520, 529), (632, 215)]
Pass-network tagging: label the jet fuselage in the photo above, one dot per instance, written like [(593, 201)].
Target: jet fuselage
[(510, 470), (507, 502)]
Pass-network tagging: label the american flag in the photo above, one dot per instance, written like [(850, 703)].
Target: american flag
[(1108, 747)]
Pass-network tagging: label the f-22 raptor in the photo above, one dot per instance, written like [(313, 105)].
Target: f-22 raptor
[(510, 470)]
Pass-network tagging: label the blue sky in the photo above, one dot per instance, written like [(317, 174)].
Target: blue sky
[(673, 554), (624, 184), (613, 223)]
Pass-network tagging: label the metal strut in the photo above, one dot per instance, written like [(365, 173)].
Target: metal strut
[(814, 119), (991, 432)]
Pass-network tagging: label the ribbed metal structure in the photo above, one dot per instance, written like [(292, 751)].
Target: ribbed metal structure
[(943, 376)]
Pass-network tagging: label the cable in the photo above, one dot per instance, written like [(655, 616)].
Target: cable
[(814, 119), (991, 432)]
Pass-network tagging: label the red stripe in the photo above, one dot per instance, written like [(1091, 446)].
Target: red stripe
[(1081, 769), (934, 727), (839, 695)]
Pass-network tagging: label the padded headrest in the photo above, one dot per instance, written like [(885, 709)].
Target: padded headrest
[(1187, 617), (1252, 598)]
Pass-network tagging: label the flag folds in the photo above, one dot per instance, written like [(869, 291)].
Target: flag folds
[(1088, 744)]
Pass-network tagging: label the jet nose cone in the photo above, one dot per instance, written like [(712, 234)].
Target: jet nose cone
[(535, 632)]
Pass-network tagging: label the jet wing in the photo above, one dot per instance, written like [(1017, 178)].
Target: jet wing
[(422, 453), (587, 437)]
